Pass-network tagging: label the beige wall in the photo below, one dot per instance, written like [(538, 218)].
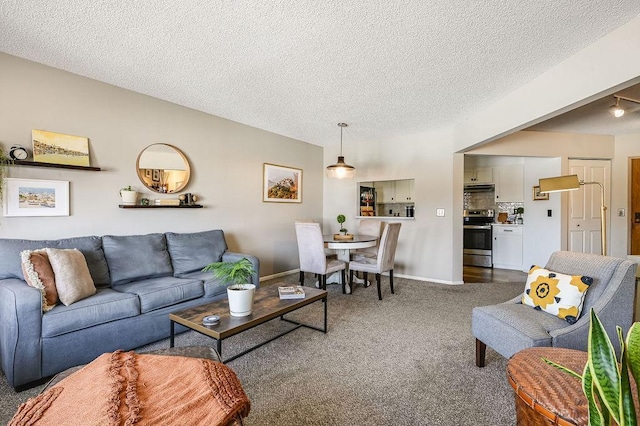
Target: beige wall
[(226, 159)]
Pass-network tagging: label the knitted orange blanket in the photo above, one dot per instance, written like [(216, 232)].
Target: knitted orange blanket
[(125, 388)]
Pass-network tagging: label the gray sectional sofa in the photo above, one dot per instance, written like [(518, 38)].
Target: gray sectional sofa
[(139, 280)]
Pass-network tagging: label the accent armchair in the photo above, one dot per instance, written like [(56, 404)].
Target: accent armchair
[(511, 326)]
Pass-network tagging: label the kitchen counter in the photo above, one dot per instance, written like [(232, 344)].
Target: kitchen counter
[(514, 225)]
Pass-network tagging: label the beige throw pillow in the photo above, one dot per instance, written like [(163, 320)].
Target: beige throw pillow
[(38, 274), (73, 280)]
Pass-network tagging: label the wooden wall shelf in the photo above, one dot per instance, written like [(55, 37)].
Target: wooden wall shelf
[(140, 206), (54, 166)]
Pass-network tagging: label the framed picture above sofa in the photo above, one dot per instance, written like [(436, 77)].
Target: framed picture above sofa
[(35, 197)]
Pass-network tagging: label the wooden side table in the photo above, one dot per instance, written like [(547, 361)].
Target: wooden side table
[(544, 395)]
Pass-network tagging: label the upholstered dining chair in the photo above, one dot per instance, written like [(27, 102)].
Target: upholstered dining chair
[(384, 260), (512, 326), (370, 228), (312, 256)]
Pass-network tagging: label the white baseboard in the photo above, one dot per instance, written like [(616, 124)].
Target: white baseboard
[(410, 277), (279, 274)]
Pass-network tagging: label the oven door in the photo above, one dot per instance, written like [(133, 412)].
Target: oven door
[(477, 245)]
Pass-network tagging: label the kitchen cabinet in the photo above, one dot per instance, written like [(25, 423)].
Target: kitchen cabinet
[(479, 175), (507, 246), (404, 191), (395, 191), (509, 183)]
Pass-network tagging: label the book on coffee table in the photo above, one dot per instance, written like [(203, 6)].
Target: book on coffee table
[(291, 292)]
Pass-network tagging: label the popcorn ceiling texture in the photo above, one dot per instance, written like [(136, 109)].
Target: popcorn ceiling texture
[(297, 68)]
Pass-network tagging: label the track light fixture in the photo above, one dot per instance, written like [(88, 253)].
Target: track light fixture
[(617, 110), (341, 170)]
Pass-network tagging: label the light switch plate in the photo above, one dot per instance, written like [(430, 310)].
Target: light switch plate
[(620, 212), (440, 212)]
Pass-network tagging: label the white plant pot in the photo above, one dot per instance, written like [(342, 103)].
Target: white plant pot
[(129, 197), (241, 300)]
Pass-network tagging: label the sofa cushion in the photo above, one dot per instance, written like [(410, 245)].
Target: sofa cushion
[(39, 274), (91, 248), (156, 293), (135, 257), (212, 286), (73, 280), (193, 251), (105, 306)]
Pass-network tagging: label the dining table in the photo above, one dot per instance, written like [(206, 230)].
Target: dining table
[(342, 248)]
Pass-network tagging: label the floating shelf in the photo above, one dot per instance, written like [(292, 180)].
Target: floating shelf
[(54, 166), (140, 206)]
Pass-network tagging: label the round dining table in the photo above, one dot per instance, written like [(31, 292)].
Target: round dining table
[(343, 251)]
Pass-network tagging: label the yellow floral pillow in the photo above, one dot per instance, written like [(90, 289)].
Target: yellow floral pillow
[(558, 294)]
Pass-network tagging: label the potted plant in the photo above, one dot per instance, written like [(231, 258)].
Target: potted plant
[(606, 380), (128, 195), (341, 219), (240, 292), (520, 212)]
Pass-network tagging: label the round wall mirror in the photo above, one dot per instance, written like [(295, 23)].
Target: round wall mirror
[(163, 168)]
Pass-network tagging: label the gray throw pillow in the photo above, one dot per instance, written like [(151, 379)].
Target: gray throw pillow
[(135, 257), (193, 251)]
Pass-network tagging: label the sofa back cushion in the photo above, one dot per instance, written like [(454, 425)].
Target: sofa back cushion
[(134, 257), (91, 248), (193, 251)]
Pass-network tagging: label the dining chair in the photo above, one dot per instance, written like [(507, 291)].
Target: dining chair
[(384, 260), (312, 256), (370, 228)]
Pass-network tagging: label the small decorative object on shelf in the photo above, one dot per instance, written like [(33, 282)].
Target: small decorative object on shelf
[(128, 195), (167, 202), (18, 152), (188, 199), (144, 201), (291, 292)]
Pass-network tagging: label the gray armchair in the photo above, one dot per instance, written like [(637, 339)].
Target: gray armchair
[(510, 327)]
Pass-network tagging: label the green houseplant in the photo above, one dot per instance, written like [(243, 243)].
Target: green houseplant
[(342, 219), (239, 292), (128, 195), (606, 380)]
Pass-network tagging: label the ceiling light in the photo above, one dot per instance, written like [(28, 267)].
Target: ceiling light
[(341, 170), (616, 109)]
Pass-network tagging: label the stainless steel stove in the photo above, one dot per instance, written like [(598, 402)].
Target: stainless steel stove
[(477, 246)]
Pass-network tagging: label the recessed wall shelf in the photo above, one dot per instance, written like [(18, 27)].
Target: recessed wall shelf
[(53, 165), (140, 206)]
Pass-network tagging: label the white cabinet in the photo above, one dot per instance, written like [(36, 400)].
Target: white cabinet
[(404, 191), (386, 191), (395, 191), (509, 182), (507, 247), (479, 175)]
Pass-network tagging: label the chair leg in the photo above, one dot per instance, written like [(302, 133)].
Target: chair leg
[(351, 280), (481, 350), (302, 278), (391, 280), (324, 282), (379, 290), (366, 278), (344, 279)]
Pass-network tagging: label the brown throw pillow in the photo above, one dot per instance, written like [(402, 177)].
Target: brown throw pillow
[(73, 280), (38, 274)]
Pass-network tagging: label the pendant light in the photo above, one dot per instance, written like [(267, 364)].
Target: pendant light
[(341, 170), (616, 109)]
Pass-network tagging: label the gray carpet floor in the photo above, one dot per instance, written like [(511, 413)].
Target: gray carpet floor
[(406, 360)]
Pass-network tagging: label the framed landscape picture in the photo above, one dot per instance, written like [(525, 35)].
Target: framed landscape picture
[(58, 148), (281, 184), (34, 197)]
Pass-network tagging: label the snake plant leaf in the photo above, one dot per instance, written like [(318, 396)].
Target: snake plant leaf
[(603, 366), (627, 407), (563, 368), (633, 352), (596, 417)]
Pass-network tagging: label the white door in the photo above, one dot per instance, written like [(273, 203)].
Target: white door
[(585, 205)]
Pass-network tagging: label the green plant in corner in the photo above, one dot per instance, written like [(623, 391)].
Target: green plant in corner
[(342, 219), (237, 273), (606, 381)]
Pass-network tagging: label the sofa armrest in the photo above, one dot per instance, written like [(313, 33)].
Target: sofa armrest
[(20, 332), (230, 256)]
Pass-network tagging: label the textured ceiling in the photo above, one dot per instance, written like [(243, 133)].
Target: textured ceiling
[(297, 68)]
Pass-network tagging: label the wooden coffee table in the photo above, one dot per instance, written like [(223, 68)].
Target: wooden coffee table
[(266, 306)]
